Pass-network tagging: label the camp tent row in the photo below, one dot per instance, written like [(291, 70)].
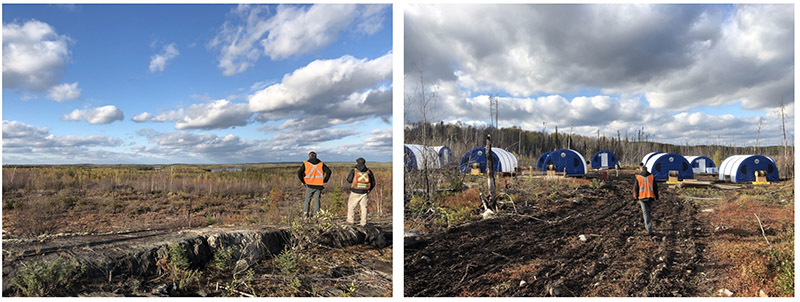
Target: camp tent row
[(434, 157), (572, 162), (737, 168)]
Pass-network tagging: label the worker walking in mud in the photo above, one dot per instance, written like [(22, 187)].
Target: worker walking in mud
[(645, 190), (361, 182), (313, 174)]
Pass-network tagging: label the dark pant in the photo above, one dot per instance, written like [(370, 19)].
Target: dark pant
[(311, 193), (646, 204)]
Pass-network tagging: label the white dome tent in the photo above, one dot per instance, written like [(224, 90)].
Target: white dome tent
[(742, 168), (659, 164), (504, 161), (445, 155), (415, 156)]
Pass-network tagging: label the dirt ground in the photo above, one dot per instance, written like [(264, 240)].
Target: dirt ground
[(538, 251)]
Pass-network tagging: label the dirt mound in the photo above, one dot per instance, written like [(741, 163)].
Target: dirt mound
[(592, 243)]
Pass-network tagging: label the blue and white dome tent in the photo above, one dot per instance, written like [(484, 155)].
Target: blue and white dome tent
[(413, 157), (742, 168), (540, 162), (701, 164), (566, 160), (659, 164), (445, 155), (504, 161), (604, 159)]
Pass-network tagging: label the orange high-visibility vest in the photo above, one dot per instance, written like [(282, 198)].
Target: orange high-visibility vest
[(313, 174), (360, 180), (645, 186)]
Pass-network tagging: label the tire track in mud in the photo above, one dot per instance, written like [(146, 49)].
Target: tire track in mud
[(493, 257)]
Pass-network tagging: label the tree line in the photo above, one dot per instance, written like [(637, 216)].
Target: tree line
[(529, 145)]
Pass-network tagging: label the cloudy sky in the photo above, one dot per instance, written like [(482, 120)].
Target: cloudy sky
[(196, 83), (692, 74)]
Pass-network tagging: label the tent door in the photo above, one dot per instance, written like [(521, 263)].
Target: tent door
[(701, 163), (604, 159)]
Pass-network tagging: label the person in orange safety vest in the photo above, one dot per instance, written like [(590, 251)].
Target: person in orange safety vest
[(313, 174), (645, 190), (362, 181)]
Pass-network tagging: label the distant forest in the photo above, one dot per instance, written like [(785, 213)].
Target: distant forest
[(529, 145)]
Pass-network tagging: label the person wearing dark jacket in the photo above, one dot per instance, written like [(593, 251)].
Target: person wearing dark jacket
[(361, 182), (313, 174), (645, 190)]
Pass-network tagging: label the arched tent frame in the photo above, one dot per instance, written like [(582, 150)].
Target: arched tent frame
[(660, 164), (701, 164), (413, 157), (567, 160), (604, 159), (741, 168), (504, 161)]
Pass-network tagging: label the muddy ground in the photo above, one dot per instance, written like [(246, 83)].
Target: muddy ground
[(538, 251)]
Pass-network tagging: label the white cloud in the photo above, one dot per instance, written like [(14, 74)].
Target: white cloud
[(322, 83), (299, 137), (100, 115), (159, 61), (22, 142), (16, 129), (587, 115), (292, 30), (295, 30), (677, 56), (34, 56), (142, 117), (183, 146), (65, 92), (372, 19), (219, 114), (377, 145)]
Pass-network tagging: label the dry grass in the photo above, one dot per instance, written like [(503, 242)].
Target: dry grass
[(83, 198), (749, 262)]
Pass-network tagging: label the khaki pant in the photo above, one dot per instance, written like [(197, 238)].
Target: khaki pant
[(352, 202)]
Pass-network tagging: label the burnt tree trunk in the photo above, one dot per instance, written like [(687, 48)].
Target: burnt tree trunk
[(492, 198)]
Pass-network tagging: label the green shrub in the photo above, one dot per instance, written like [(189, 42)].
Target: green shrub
[(286, 261), (210, 220), (36, 279), (178, 262), (223, 258), (178, 257)]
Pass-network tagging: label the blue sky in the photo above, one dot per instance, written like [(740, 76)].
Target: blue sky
[(196, 83), (686, 73)]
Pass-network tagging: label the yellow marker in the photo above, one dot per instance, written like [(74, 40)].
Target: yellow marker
[(761, 178), (673, 178)]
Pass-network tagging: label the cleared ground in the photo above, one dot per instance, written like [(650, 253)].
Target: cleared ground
[(537, 251)]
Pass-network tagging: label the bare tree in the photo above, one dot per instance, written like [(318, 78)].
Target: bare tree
[(783, 128), (425, 103), (758, 133)]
